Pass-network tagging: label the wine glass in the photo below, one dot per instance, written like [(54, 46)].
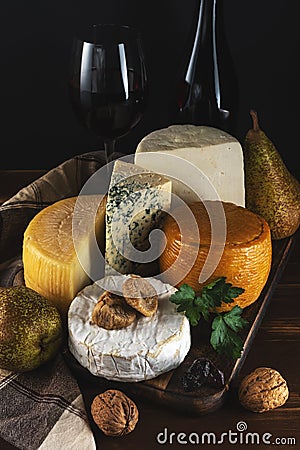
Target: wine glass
[(108, 81)]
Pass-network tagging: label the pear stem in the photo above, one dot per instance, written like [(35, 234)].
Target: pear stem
[(254, 116)]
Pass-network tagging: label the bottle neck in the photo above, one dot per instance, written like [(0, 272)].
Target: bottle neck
[(206, 92), (205, 37)]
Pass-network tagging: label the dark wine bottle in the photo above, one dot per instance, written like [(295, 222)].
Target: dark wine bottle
[(206, 90)]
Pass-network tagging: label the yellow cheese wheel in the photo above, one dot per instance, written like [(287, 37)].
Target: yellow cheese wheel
[(245, 258), (52, 263)]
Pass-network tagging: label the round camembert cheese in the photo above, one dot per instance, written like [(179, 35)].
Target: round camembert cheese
[(145, 349)]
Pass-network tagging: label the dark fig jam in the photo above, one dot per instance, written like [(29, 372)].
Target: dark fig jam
[(202, 372)]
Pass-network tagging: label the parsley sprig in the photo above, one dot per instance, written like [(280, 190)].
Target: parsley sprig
[(225, 326)]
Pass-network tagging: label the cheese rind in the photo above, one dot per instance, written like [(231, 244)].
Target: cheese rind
[(206, 161), (145, 349), (52, 264), (246, 250), (136, 201)]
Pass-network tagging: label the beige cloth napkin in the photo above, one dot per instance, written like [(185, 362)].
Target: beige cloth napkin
[(42, 409), (65, 180)]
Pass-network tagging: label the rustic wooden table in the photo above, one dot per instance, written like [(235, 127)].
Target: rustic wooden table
[(276, 345)]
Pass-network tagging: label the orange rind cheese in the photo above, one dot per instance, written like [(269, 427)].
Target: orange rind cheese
[(245, 256)]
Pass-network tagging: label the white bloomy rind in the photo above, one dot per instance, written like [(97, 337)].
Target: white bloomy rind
[(145, 349)]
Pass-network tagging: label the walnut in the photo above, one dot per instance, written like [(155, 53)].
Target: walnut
[(114, 413), (262, 390), (140, 294), (112, 312)]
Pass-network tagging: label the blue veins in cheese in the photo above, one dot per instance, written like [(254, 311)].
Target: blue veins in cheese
[(136, 202), (202, 161)]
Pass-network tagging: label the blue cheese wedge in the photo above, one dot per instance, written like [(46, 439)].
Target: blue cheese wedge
[(136, 201), (204, 161), (143, 350)]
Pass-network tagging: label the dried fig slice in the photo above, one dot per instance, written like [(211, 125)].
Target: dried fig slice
[(112, 312), (111, 299), (140, 295)]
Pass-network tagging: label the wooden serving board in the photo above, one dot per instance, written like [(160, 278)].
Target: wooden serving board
[(167, 389)]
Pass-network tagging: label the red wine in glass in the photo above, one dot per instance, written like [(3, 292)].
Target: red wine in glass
[(108, 81)]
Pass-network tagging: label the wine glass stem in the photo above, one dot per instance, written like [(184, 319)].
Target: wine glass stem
[(109, 148)]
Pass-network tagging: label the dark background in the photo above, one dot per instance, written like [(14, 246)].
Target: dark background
[(38, 128)]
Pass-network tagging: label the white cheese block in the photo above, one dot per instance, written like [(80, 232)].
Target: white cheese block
[(136, 201), (208, 162), (145, 349)]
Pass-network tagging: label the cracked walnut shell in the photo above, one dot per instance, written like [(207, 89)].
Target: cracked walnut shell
[(262, 390), (114, 413)]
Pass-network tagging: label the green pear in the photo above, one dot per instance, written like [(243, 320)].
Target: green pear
[(271, 190), (30, 329)]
